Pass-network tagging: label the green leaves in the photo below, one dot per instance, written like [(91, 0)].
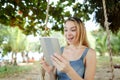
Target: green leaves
[(113, 11), (12, 39), (27, 15), (101, 42)]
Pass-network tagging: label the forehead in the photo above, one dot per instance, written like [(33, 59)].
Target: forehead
[(70, 24)]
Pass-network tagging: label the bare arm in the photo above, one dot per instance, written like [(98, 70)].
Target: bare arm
[(90, 65), (63, 65), (49, 70)]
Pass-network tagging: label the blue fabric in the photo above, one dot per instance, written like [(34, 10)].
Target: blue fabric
[(62, 48), (78, 66)]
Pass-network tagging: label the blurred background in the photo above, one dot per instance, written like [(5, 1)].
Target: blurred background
[(22, 23)]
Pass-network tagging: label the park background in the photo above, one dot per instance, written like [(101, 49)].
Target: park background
[(23, 22)]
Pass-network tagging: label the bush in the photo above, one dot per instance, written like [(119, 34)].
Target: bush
[(9, 70)]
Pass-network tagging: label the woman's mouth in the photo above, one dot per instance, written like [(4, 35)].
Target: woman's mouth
[(70, 39)]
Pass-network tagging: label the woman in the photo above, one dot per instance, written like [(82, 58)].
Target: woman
[(78, 60)]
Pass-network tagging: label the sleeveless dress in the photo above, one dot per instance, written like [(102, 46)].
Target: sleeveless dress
[(78, 66)]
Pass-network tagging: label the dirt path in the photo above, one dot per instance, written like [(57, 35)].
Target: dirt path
[(34, 74), (102, 73)]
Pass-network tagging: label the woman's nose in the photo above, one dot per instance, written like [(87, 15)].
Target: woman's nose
[(68, 33)]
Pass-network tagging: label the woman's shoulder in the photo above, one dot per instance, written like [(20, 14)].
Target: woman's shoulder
[(91, 50), (91, 53)]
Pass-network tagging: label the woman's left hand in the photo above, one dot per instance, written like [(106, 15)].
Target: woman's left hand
[(61, 63)]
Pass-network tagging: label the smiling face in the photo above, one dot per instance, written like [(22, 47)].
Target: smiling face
[(70, 32), (75, 32)]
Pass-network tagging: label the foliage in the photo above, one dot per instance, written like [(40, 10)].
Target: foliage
[(13, 40), (100, 45), (10, 70), (3, 33), (113, 11), (16, 40), (115, 43), (101, 42), (3, 40), (29, 16), (34, 46)]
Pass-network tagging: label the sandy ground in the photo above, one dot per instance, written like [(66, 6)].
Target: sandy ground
[(102, 73)]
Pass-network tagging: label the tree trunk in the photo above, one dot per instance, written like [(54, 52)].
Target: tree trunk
[(27, 56), (14, 58), (23, 57)]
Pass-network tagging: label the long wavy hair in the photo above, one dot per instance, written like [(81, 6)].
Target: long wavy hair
[(81, 31)]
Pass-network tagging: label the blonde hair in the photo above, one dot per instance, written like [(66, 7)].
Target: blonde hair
[(81, 31)]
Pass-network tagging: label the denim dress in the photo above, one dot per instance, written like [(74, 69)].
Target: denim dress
[(78, 66)]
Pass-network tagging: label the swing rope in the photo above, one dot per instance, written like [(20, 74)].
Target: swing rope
[(46, 19), (106, 24), (43, 75)]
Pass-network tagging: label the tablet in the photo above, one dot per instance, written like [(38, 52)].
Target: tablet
[(49, 46)]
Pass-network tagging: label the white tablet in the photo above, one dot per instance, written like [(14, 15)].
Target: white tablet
[(49, 46)]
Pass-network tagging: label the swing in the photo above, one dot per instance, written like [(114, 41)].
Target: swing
[(106, 24)]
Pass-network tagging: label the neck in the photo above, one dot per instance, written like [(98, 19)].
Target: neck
[(76, 46)]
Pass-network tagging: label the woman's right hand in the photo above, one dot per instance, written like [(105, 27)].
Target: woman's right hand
[(46, 66)]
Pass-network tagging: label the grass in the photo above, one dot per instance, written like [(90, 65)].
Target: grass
[(9, 70), (103, 71), (105, 60)]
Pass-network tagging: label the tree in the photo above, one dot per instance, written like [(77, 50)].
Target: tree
[(3, 39), (3, 33), (113, 11), (115, 43), (101, 42), (29, 16), (14, 41)]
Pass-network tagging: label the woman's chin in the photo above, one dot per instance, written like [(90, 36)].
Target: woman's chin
[(70, 43)]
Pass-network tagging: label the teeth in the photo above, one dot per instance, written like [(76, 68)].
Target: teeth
[(70, 38)]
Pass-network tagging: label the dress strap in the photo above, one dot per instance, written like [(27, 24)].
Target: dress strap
[(62, 49), (84, 53)]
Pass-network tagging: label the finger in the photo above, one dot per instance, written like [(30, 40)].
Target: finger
[(43, 62), (59, 65), (55, 59), (42, 58), (56, 64), (60, 57)]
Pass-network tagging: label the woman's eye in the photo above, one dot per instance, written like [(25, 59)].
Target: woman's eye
[(65, 30), (73, 30)]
